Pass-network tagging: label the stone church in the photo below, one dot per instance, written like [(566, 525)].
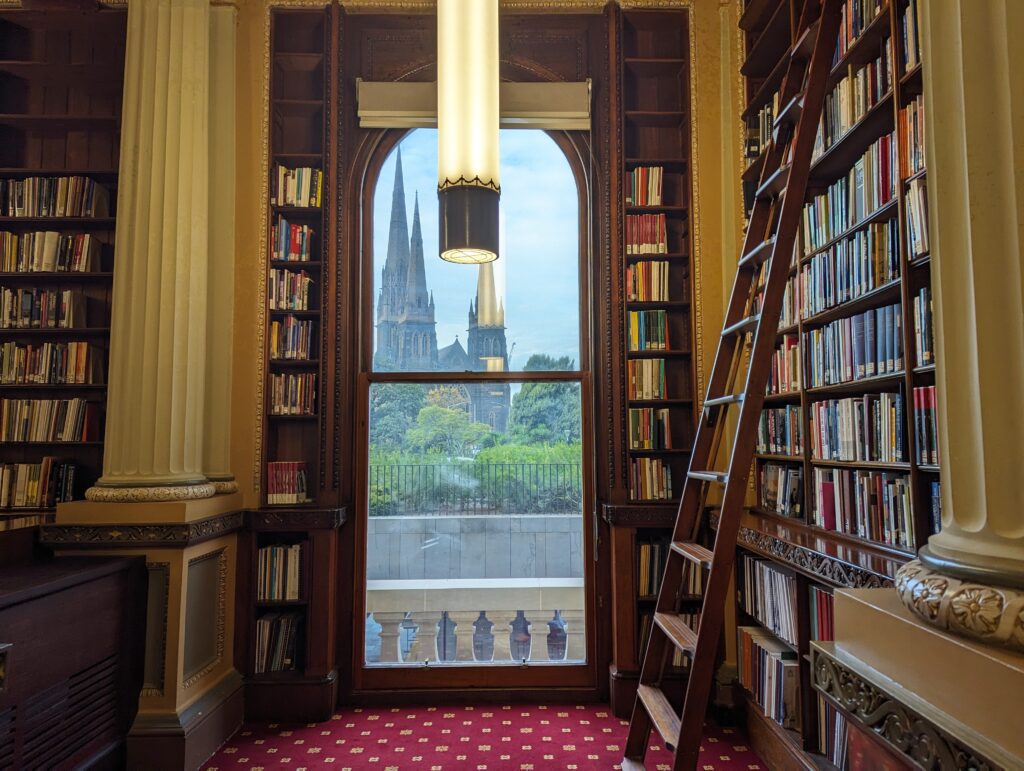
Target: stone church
[(406, 325)]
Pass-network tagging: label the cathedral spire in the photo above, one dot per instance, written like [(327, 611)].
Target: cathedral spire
[(416, 295), (396, 266), (487, 311)]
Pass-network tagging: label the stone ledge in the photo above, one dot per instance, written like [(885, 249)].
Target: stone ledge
[(160, 512)]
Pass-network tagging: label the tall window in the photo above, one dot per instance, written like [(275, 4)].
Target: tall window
[(475, 482)]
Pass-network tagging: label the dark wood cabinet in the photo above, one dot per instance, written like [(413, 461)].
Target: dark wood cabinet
[(72, 640)]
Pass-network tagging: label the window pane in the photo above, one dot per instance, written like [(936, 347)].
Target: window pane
[(431, 315), (475, 547)]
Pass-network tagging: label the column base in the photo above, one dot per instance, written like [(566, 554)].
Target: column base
[(152, 494), (224, 486), (990, 614)]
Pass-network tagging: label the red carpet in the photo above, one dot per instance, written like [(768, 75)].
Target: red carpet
[(529, 738)]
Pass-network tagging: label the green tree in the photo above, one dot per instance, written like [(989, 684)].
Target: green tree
[(393, 411), (546, 413), (447, 430)]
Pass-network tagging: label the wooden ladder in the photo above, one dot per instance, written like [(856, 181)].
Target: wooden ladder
[(754, 309)]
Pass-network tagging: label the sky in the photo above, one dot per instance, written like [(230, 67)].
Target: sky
[(537, 271)]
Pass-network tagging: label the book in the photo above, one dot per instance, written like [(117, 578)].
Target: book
[(650, 429), (784, 376), (868, 504), (648, 331), (49, 420), (924, 332), (74, 196), (769, 595), (39, 308), (300, 187), (288, 290), (287, 483), (866, 428), (36, 485), (48, 251), (910, 25), (643, 186), (293, 393), (50, 363), (820, 607), (917, 217), (911, 131), (645, 379), (291, 242), (832, 733), (839, 352), (650, 479), (926, 425), (770, 672), (780, 431), (277, 642), (278, 572), (646, 234), (291, 339), (647, 281), (782, 488)]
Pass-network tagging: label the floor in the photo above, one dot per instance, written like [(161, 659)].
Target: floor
[(525, 738)]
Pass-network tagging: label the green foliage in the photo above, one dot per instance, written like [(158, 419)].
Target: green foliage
[(447, 430), (546, 413), (393, 410)]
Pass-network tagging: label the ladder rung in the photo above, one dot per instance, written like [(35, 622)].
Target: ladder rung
[(758, 254), (804, 46), (742, 325), (775, 184), (790, 114), (720, 400), (709, 476), (694, 552), (684, 638), (662, 714)]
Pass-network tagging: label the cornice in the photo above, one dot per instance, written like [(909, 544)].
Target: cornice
[(134, 536)]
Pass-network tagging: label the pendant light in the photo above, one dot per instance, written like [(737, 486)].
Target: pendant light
[(468, 185)]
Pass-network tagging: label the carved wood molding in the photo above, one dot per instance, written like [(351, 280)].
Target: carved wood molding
[(821, 566), (639, 516), (301, 519), (902, 728), (135, 536)]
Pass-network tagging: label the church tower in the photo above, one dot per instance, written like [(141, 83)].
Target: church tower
[(406, 330), (487, 349)]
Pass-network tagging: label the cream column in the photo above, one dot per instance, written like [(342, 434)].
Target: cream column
[(970, 577), (158, 325), (220, 341)]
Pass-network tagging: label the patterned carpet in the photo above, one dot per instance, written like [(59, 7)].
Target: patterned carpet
[(528, 738)]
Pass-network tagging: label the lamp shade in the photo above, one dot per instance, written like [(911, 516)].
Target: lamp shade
[(468, 184)]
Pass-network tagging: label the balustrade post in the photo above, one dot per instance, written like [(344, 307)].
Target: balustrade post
[(390, 630), (502, 632), (576, 635), (464, 630), (539, 631), (425, 646)]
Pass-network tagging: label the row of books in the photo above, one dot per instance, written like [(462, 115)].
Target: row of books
[(49, 420), (866, 428), (276, 641), (832, 733), (759, 127), (926, 425), (769, 595), (917, 217), (650, 479), (646, 234), (293, 393), (864, 345), (50, 363), (278, 573), (782, 488), (852, 97), (786, 366), (911, 131), (35, 308), (296, 187), (780, 431), (291, 242), (651, 557), (935, 496), (645, 379), (924, 334), (644, 186), (647, 281), (650, 428), (36, 485), (910, 26), (770, 672), (821, 614), (869, 185), (22, 521), (291, 338), (648, 331), (48, 252), (54, 197), (868, 504), (855, 16), (792, 302), (288, 290), (287, 482), (867, 260)]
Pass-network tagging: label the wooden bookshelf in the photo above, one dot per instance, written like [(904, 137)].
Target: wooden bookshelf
[(60, 114), (813, 555), (653, 68)]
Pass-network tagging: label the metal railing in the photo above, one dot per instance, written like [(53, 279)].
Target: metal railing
[(475, 488)]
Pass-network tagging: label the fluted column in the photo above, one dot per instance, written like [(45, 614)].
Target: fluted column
[(153, 446), (220, 340), (970, 575)]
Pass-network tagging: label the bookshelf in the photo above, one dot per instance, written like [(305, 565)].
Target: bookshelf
[(655, 292), (60, 113), (840, 424)]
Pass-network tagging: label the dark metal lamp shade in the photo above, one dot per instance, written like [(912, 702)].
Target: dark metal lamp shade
[(468, 228)]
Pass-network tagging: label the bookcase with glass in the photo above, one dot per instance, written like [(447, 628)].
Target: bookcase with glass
[(60, 112), (655, 293), (846, 463)]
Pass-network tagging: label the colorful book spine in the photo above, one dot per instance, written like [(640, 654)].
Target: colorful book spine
[(866, 345), (291, 338), (780, 431), (646, 234), (924, 333), (911, 130), (74, 363), (866, 428), (645, 379), (287, 483), (647, 281), (769, 595), (48, 252), (650, 480), (293, 393), (786, 367), (50, 421), (301, 187), (648, 331), (821, 614), (782, 489), (650, 429), (770, 672), (54, 197), (289, 290), (926, 425), (868, 504), (644, 186), (36, 485)]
